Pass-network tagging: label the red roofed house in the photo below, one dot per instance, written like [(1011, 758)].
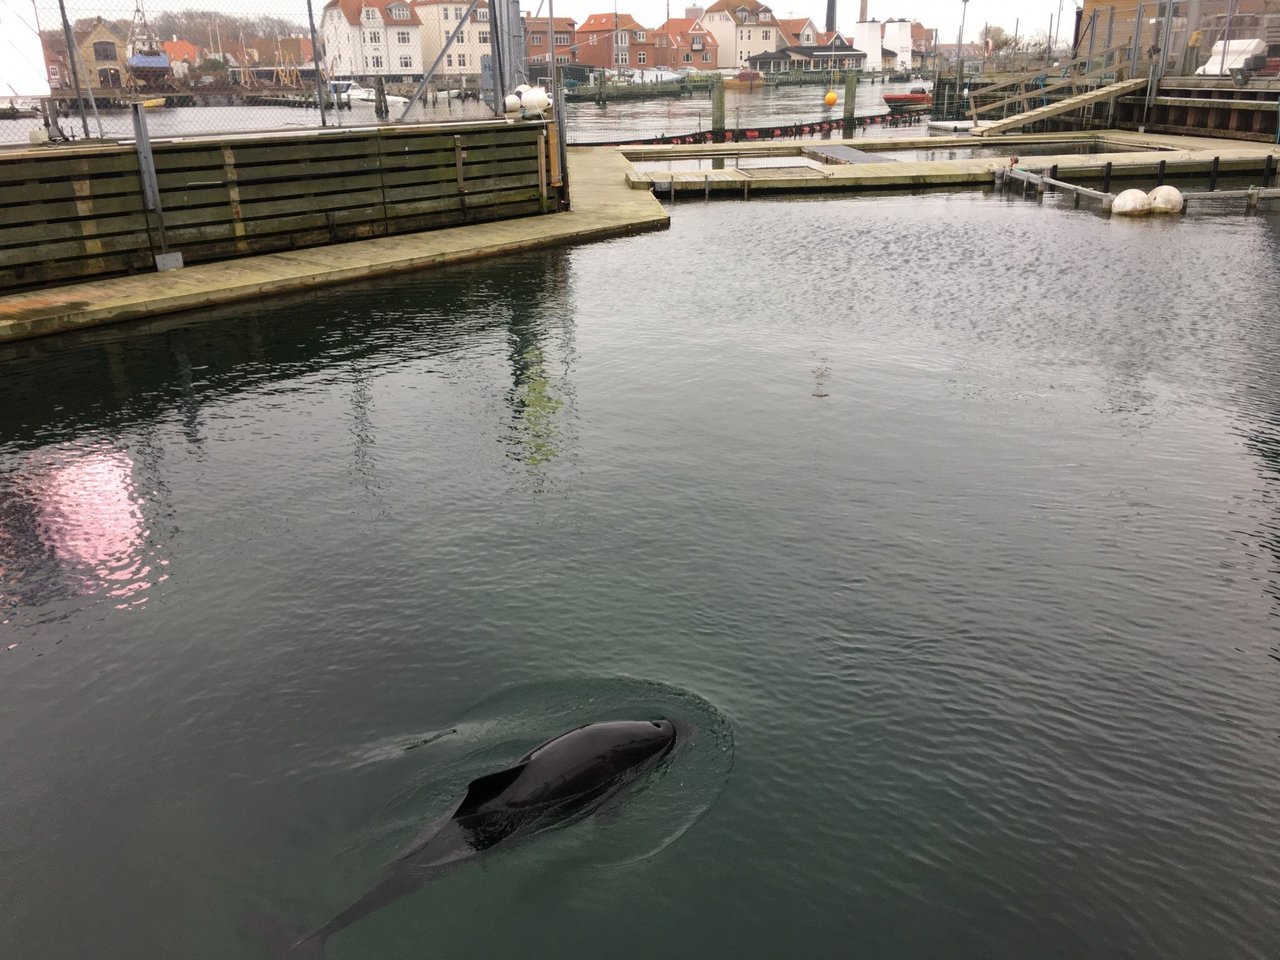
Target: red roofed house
[(682, 42), (371, 38), (799, 33), (614, 40), (535, 39), (742, 28), (182, 56)]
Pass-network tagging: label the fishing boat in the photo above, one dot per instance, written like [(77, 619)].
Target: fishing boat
[(917, 99), (744, 80)]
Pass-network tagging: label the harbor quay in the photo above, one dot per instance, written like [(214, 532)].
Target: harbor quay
[(613, 191)]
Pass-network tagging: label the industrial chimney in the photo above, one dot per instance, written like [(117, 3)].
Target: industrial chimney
[(831, 15), (862, 12)]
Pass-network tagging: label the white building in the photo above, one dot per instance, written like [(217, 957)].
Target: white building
[(897, 37), (867, 37), (439, 19), (742, 29), (371, 38)]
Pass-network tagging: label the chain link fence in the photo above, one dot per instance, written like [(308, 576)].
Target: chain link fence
[(279, 65)]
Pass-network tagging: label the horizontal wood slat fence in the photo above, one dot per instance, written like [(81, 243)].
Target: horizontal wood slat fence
[(76, 213)]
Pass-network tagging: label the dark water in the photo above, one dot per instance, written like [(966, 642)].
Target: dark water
[(950, 522)]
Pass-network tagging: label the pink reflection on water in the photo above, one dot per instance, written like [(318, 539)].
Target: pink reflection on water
[(90, 514)]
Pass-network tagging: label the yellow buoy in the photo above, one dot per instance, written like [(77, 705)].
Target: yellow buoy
[(830, 99)]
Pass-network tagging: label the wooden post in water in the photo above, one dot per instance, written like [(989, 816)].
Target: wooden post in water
[(1106, 178), (1213, 175), (850, 95), (717, 111), (1268, 170), (1160, 174)]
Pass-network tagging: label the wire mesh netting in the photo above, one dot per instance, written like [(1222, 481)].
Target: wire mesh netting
[(278, 64)]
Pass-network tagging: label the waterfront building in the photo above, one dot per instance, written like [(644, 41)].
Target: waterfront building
[(372, 38), (742, 28), (836, 54), (799, 33), (535, 39), (683, 42), (615, 41), (101, 58), (898, 44), (439, 19)]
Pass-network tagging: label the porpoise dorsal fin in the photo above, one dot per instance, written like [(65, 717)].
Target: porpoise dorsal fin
[(483, 789)]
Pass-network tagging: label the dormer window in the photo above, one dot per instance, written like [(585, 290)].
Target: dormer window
[(639, 36), (482, 13), (398, 12), (371, 14)]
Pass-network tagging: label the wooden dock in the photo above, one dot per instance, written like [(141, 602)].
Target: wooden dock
[(1129, 154), (1066, 105), (603, 207)]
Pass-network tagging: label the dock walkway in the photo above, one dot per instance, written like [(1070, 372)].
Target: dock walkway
[(603, 207), (1066, 105)]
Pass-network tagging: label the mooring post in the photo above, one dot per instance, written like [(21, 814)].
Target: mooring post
[(1053, 175), (1251, 202), (1268, 170), (706, 187), (1160, 174), (717, 111), (1213, 175), (850, 95), (1106, 178)]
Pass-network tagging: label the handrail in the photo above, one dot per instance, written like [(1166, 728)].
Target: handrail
[(1071, 79)]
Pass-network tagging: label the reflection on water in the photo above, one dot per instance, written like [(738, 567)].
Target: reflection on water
[(72, 524)]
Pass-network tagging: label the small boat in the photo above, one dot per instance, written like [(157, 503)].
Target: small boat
[(355, 94), (918, 99), (744, 80)]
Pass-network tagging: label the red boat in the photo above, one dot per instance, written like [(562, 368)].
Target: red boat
[(918, 99)]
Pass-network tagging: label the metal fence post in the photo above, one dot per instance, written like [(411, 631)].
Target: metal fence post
[(151, 187)]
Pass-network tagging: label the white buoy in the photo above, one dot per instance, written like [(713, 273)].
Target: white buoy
[(1131, 203), (511, 103), (1165, 199), (521, 89), (535, 100)]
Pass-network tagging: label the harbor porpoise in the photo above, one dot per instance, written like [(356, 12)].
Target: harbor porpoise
[(569, 776)]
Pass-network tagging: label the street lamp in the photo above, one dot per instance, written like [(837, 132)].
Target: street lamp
[(964, 9)]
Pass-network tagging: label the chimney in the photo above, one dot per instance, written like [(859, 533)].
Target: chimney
[(862, 12), (831, 15)]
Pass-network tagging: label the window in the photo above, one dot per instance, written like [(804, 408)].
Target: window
[(706, 56), (764, 35), (108, 77), (807, 38), (406, 63), (462, 60), (482, 14), (623, 39), (53, 72), (484, 36), (377, 62), (748, 34), (370, 13), (373, 36), (398, 12), (622, 57), (536, 40), (562, 40), (695, 43), (104, 50), (561, 59), (402, 37), (639, 36), (462, 36), (448, 59), (457, 13), (642, 58), (687, 58), (444, 13)]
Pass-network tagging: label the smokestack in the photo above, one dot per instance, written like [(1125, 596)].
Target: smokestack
[(862, 12), (831, 15)]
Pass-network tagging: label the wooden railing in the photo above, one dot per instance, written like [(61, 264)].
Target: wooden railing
[(1083, 71)]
